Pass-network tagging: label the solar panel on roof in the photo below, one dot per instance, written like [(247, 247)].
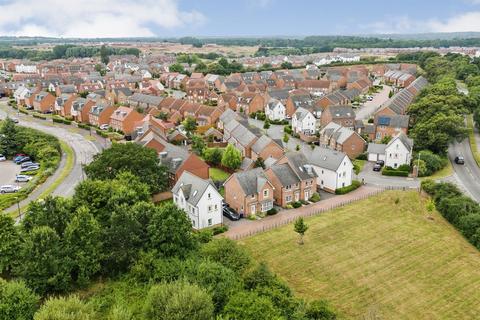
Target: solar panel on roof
[(383, 121)]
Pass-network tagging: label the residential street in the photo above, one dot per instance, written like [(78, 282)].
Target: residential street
[(375, 178), (83, 149), (467, 175), (369, 107)]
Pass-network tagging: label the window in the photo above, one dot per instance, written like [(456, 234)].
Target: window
[(216, 207), (288, 187), (209, 208), (193, 222), (267, 206), (265, 193), (209, 196), (253, 196), (288, 199), (209, 222)]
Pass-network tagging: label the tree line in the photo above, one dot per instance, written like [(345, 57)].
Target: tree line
[(63, 51), (130, 258)]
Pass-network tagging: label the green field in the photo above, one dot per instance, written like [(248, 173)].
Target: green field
[(379, 260)]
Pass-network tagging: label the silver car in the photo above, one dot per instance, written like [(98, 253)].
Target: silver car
[(22, 178), (9, 188)]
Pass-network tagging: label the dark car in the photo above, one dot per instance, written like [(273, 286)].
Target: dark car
[(230, 213), (459, 160), (381, 163), (377, 167)]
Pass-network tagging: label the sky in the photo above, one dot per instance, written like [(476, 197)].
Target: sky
[(176, 18)]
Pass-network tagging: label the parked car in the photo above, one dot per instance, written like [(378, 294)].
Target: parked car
[(230, 213), (381, 163), (29, 164), (104, 127), (9, 188), (377, 167), (18, 156), (30, 168), (22, 160), (15, 120), (22, 178), (459, 160), (2, 157)]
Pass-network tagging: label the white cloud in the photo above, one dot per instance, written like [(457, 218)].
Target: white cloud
[(94, 18), (469, 21)]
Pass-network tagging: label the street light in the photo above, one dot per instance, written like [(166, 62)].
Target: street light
[(18, 205)]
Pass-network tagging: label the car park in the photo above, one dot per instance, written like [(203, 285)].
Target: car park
[(2, 157), (22, 178), (9, 188), (230, 213), (459, 160)]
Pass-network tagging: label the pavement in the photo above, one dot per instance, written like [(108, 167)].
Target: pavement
[(369, 107), (84, 149)]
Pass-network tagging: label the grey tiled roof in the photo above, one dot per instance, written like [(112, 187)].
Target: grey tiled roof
[(376, 148), (252, 180), (285, 174), (324, 158), (192, 187)]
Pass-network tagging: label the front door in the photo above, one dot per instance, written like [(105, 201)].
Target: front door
[(253, 209), (307, 194), (297, 196)]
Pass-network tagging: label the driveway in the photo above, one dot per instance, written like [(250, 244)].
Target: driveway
[(376, 178), (369, 107)]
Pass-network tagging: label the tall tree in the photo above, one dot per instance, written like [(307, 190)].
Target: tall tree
[(140, 161), (104, 55), (9, 244), (300, 227), (8, 138), (231, 158), (190, 125)]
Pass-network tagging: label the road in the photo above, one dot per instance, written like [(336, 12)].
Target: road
[(467, 175), (369, 107), (83, 149)]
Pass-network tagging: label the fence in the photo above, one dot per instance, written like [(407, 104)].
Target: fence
[(266, 226)]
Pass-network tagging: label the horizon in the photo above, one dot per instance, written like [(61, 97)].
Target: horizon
[(89, 19)]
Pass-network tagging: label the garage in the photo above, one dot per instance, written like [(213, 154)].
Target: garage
[(376, 151)]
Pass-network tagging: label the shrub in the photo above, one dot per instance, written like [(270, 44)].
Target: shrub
[(288, 129), (388, 171), (272, 212), (315, 197), (58, 119), (22, 111), (39, 116), (285, 138), (362, 156), (303, 202), (220, 229), (355, 184), (83, 126), (296, 204), (404, 167)]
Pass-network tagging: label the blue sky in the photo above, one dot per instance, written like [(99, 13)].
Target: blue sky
[(167, 18)]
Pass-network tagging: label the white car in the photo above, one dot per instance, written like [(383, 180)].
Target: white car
[(2, 157), (22, 178), (104, 126), (9, 188)]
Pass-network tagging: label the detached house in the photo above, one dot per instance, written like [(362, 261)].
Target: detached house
[(43, 102), (396, 153), (333, 168), (390, 125), (199, 199), (339, 138), (304, 122), (21, 94), (275, 110), (342, 115), (249, 192), (293, 179), (123, 119)]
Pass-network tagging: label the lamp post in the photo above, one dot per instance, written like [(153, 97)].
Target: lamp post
[(18, 206)]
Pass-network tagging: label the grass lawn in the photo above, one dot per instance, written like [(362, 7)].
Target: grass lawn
[(375, 259), (218, 174)]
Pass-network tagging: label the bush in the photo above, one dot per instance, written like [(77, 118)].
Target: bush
[(22, 111), (220, 229), (296, 204), (404, 167), (83, 126), (362, 156), (303, 202), (285, 138), (58, 119), (288, 129), (272, 212), (431, 162), (355, 184), (39, 116), (315, 197), (389, 171)]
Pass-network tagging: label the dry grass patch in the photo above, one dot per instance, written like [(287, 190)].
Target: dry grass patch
[(379, 260)]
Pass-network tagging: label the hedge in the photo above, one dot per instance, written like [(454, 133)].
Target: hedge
[(39, 116), (394, 173), (355, 184), (296, 204), (83, 126), (272, 212), (61, 120), (315, 197)]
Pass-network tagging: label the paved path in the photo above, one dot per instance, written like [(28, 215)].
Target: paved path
[(83, 149), (246, 228), (369, 107)]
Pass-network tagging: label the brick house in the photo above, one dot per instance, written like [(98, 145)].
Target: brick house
[(81, 108), (390, 125), (342, 115), (43, 102), (249, 102), (342, 139), (316, 87), (265, 147), (124, 119), (100, 113), (293, 179), (249, 192)]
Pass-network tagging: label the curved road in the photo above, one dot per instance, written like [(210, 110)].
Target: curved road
[(83, 149), (467, 175)]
